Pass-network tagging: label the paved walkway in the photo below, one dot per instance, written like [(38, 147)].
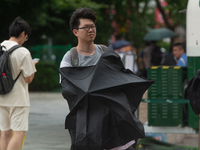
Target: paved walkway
[(46, 123)]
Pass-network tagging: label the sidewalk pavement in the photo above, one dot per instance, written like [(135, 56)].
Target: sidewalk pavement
[(46, 123), (47, 119)]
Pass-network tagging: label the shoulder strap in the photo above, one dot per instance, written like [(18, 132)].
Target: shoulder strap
[(13, 48), (103, 47), (1, 47), (17, 77), (74, 57), (10, 51)]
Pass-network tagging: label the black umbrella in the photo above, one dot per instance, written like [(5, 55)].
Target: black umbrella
[(102, 100), (193, 94)]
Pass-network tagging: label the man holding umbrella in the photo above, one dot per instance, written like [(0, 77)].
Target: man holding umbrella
[(84, 122), (153, 54)]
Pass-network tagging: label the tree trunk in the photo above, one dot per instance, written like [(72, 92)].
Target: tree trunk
[(165, 18)]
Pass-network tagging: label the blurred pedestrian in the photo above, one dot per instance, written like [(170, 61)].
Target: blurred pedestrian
[(86, 53), (141, 66), (170, 60), (153, 55), (14, 106), (179, 54)]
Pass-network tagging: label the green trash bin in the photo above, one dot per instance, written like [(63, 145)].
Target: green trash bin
[(168, 85)]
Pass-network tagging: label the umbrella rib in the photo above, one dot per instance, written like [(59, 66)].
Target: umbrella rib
[(95, 90), (71, 81)]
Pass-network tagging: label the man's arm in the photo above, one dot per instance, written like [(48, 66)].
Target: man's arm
[(29, 79)]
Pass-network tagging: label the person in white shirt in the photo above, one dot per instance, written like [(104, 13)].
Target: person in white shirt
[(14, 106)]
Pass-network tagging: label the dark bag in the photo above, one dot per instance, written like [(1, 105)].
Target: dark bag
[(193, 92), (156, 56), (6, 79)]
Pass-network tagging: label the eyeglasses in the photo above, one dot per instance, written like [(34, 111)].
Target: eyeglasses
[(88, 28)]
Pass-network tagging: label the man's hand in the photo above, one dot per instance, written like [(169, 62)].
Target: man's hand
[(36, 60)]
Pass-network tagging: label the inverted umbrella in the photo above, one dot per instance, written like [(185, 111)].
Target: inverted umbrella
[(120, 43), (158, 34), (102, 100)]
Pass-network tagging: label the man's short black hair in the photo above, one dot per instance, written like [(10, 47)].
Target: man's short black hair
[(18, 26), (85, 13), (178, 44)]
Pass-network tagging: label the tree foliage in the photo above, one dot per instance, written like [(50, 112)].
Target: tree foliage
[(132, 18), (47, 18), (128, 19), (172, 11)]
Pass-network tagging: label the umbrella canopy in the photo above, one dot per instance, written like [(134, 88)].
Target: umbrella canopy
[(102, 100), (159, 34), (119, 44)]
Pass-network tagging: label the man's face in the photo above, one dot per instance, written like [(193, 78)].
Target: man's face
[(87, 32), (177, 51)]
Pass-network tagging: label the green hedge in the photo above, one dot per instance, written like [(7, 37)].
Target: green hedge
[(46, 78)]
